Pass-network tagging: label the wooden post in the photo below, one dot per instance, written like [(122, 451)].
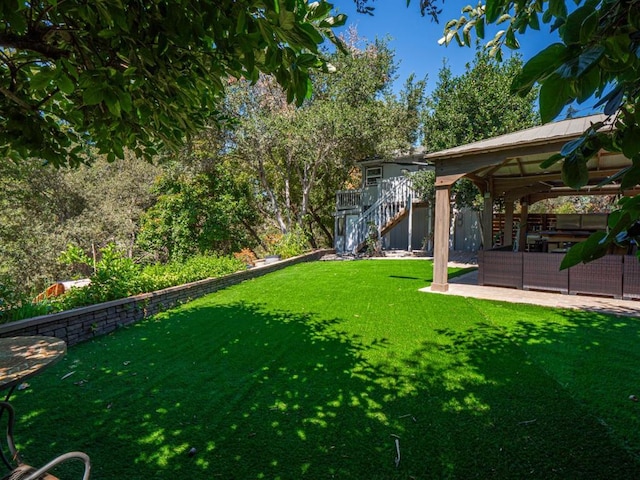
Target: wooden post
[(487, 222), (508, 223), (524, 218), (410, 227), (441, 239)]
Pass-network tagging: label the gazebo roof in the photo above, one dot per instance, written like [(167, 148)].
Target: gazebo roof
[(509, 165), (549, 133)]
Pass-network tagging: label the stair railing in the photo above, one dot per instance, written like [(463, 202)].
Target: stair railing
[(395, 195)]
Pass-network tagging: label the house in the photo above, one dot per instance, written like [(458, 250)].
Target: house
[(386, 204)]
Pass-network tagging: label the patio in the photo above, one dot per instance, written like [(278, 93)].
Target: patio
[(508, 167), (467, 286)]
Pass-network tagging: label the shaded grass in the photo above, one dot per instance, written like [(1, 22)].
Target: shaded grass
[(313, 370)]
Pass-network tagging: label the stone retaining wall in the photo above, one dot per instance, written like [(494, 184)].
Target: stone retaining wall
[(83, 323)]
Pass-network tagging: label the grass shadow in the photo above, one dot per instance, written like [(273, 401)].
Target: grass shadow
[(468, 389)]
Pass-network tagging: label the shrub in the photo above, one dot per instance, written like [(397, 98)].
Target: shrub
[(114, 276), (17, 306), (291, 244), (246, 256), (191, 270)]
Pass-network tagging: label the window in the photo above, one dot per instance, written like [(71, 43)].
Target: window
[(373, 175)]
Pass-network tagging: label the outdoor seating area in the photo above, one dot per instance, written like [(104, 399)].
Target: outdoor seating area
[(616, 276), (529, 250)]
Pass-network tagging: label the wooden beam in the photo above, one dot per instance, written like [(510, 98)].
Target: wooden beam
[(503, 184), (447, 180), (441, 239), (524, 216), (518, 193), (487, 222), (474, 162), (508, 224)]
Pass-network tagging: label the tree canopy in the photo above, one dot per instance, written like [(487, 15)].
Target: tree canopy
[(141, 75), (597, 56), (299, 157), (462, 109)]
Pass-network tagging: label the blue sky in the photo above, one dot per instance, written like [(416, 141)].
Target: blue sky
[(415, 38)]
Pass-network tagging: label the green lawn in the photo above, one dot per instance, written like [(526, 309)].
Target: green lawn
[(314, 371)]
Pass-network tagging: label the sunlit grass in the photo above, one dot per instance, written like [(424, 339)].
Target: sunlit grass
[(315, 371)]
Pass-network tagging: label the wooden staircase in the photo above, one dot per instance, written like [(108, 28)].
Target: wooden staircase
[(387, 227), (388, 211)]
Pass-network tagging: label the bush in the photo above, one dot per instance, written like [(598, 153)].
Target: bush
[(291, 244), (115, 276), (17, 306), (193, 269)]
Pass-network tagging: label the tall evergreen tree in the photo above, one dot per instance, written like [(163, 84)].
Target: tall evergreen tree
[(477, 104)]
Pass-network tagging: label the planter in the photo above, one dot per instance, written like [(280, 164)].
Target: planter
[(271, 259)]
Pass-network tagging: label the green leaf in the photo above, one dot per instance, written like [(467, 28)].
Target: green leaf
[(510, 40), (577, 67), (587, 85), (125, 101), (552, 160), (92, 96), (631, 141), (241, 21), (65, 84), (558, 8), (631, 177), (591, 249), (573, 256), (554, 95), (538, 67), (480, 27), (575, 172), (570, 33), (42, 79), (111, 100), (286, 19), (534, 22), (588, 27), (492, 10)]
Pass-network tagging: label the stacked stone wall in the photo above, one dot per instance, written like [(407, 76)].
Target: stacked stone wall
[(79, 324)]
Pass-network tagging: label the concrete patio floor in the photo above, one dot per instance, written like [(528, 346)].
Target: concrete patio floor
[(467, 286)]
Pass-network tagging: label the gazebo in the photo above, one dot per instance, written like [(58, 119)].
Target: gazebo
[(508, 167)]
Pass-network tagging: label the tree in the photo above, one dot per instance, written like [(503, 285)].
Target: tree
[(42, 210), (301, 156), (598, 55), (138, 74), (203, 205), (462, 109)]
